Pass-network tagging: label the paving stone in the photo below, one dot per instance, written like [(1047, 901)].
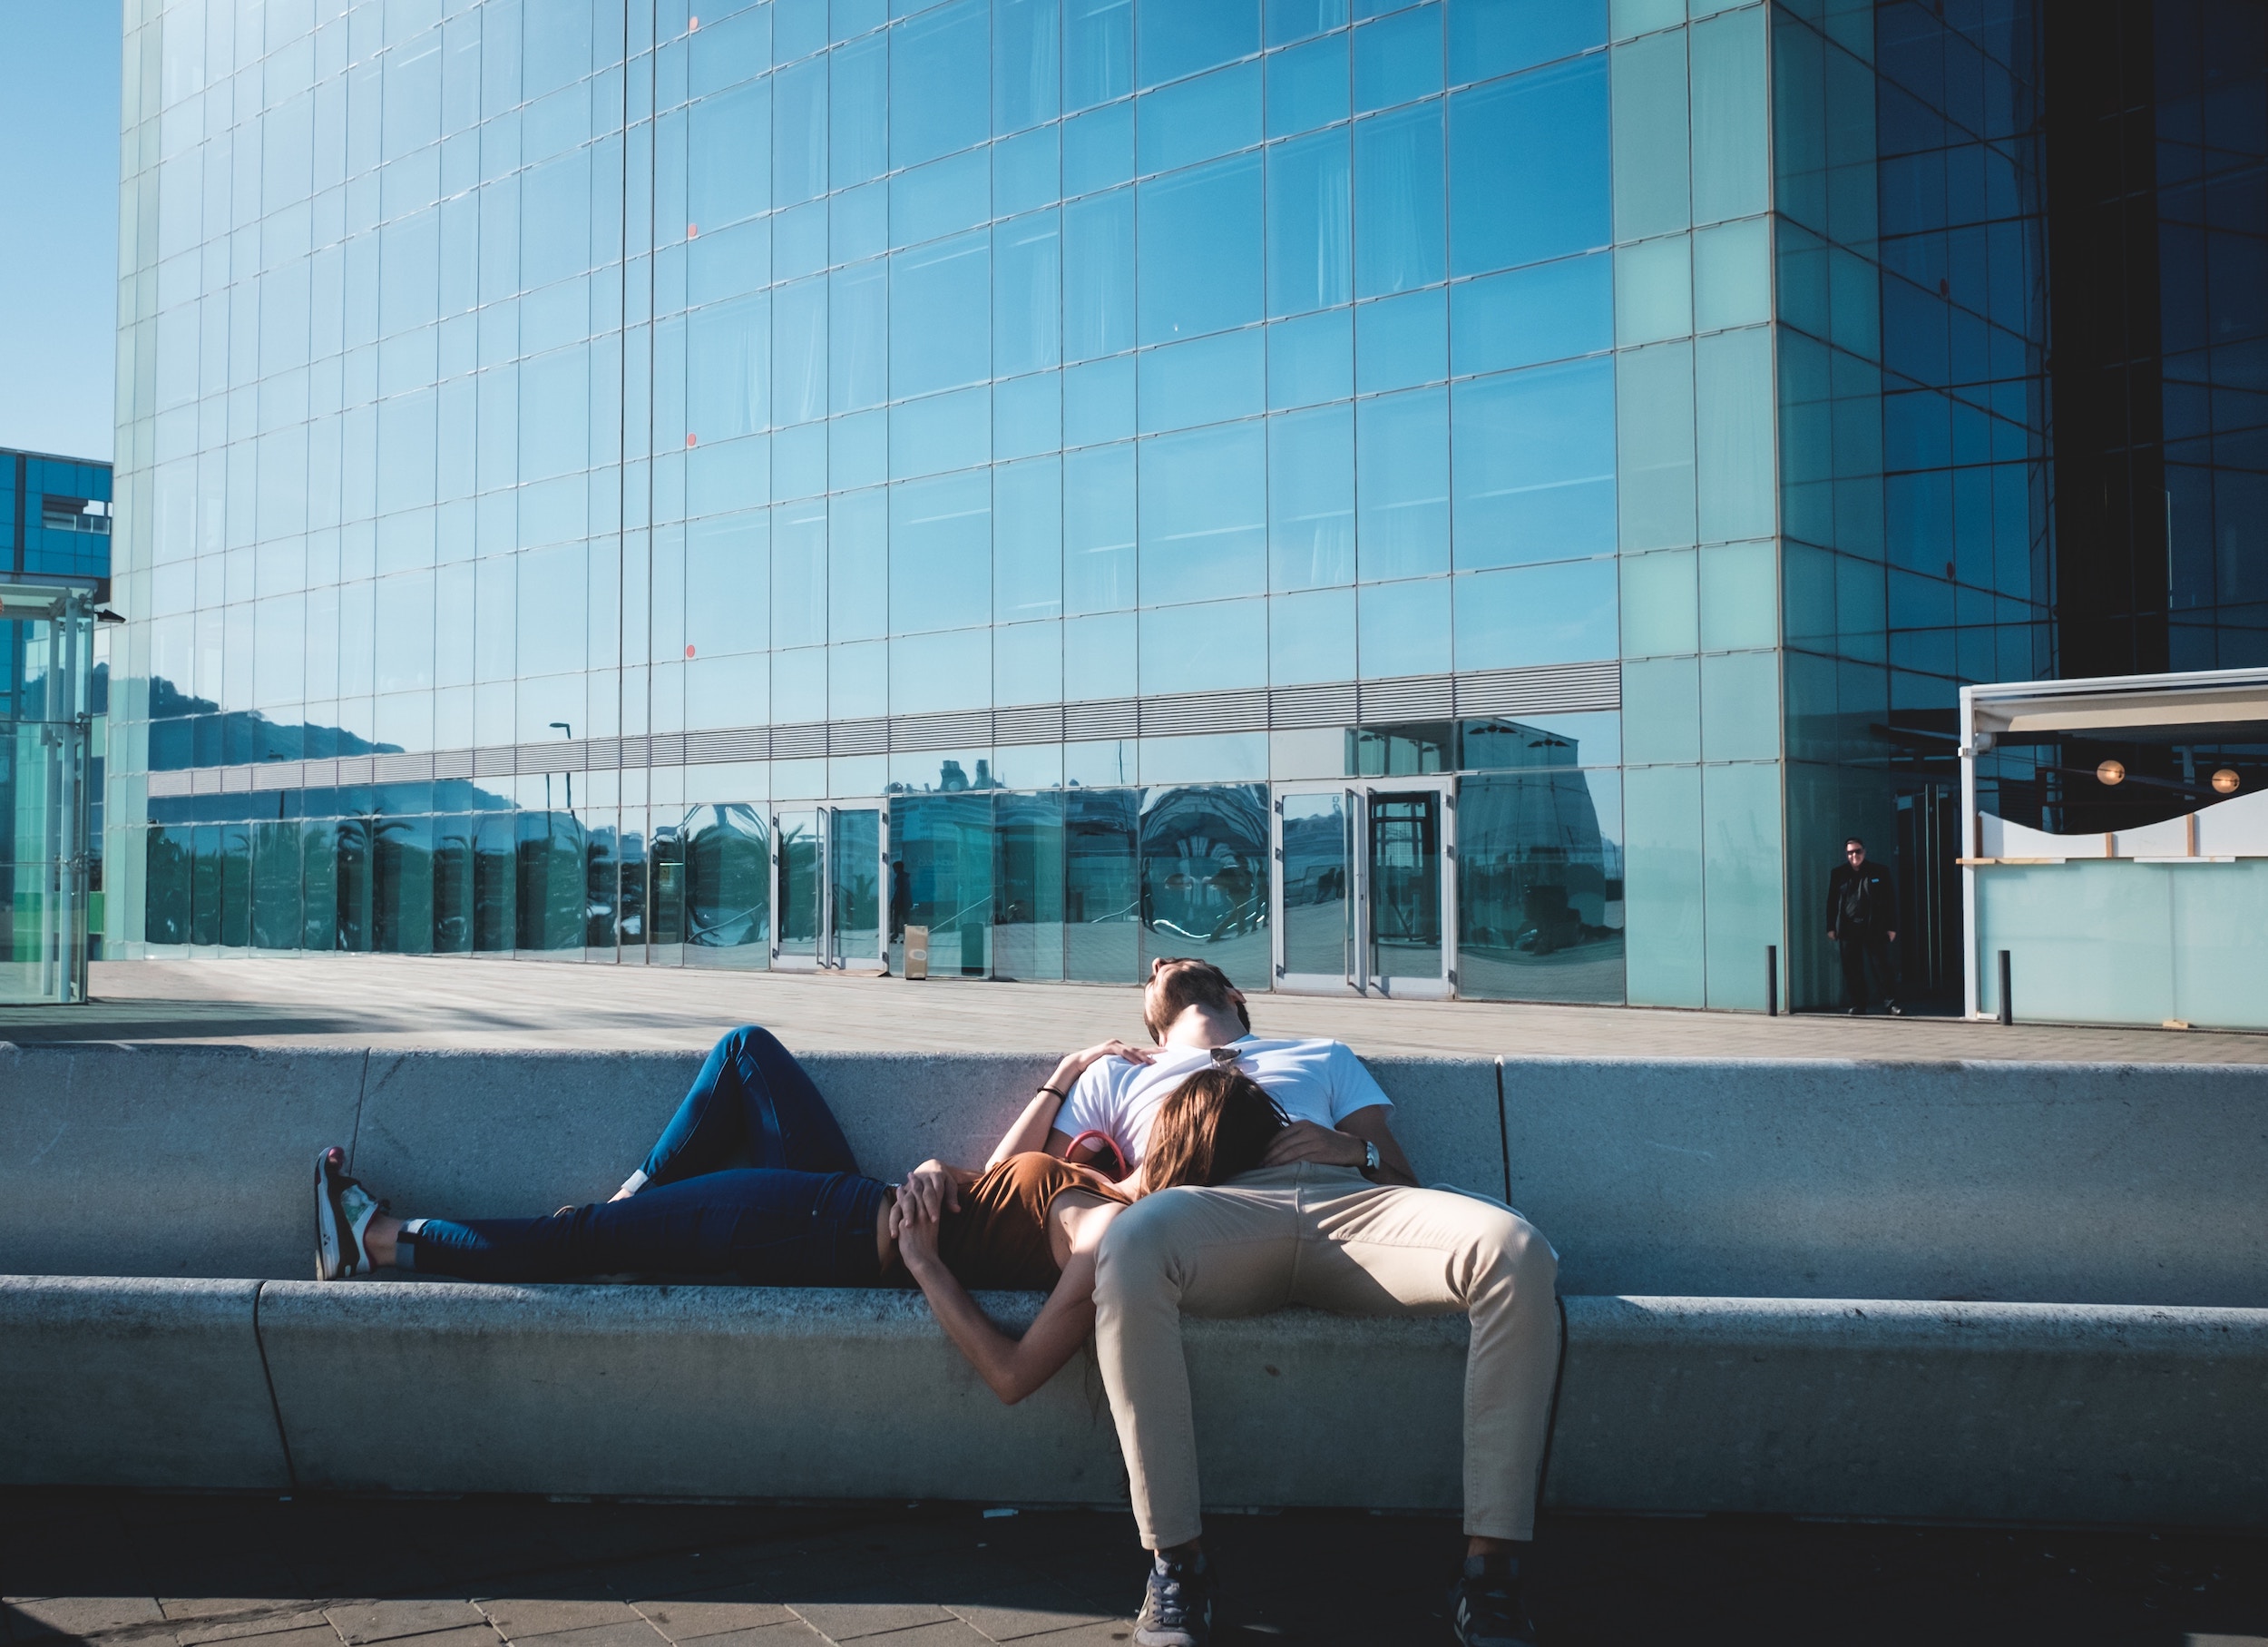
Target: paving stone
[(522, 1617), (710, 1612), (360, 1622), (634, 1632), (85, 1615), (1014, 1611), (211, 1618), (850, 1621)]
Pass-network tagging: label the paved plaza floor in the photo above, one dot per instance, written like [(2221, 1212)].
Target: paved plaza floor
[(401, 1001), (141, 1571)]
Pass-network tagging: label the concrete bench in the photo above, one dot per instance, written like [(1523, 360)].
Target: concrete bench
[(1935, 1291)]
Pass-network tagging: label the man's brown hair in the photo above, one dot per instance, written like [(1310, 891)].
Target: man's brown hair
[(1181, 983), (1217, 1123)]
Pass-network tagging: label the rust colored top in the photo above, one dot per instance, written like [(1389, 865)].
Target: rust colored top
[(999, 1236)]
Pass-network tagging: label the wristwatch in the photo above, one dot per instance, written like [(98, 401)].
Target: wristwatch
[(1369, 1156)]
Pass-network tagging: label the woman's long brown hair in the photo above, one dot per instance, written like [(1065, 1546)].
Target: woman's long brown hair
[(1218, 1124)]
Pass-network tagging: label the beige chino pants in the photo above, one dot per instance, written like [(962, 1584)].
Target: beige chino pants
[(1329, 1238)]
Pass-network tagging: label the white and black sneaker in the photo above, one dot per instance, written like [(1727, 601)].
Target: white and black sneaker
[(1178, 1606), (1486, 1608), (343, 1210)]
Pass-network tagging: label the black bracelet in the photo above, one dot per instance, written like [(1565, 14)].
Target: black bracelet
[(1059, 1096)]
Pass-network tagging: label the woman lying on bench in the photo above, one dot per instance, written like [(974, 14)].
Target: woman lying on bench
[(802, 1215)]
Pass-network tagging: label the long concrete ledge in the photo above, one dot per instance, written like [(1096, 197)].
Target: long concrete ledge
[(1679, 1406)]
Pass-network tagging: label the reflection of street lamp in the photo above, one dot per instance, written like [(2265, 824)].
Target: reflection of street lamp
[(569, 731)]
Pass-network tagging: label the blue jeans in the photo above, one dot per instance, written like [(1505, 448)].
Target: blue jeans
[(800, 1215)]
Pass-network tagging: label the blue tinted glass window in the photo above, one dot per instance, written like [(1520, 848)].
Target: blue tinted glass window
[(1099, 529), (941, 197), (941, 671), (1204, 515), (1402, 483), (1532, 315), (1099, 401), (1307, 86), (1311, 637), (1398, 200), (1562, 613), (939, 74), (799, 28), (1027, 415), (1027, 263), (1025, 66), (1493, 37), (729, 361), (858, 328), (1200, 249), (857, 560), (1398, 59), (1220, 646), (1310, 226), (859, 96), (940, 553), (1403, 625), (1099, 657), (799, 352), (1098, 51), (858, 223), (1098, 149), (1402, 342), (1535, 464), (941, 315), (1179, 38), (800, 131), (1028, 540), (1291, 20), (1098, 275), (1311, 360), (1529, 167), (729, 157), (1311, 499), (799, 239), (1199, 119), (1026, 172), (1204, 380), (941, 432)]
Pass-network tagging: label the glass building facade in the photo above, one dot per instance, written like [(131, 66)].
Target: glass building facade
[(1464, 498), (55, 569)]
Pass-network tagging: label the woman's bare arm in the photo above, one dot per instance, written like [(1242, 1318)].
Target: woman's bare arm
[(1010, 1367)]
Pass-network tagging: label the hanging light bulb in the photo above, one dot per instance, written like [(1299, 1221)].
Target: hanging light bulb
[(2225, 780), (2111, 773)]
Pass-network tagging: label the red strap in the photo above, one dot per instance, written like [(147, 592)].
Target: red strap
[(1117, 1156)]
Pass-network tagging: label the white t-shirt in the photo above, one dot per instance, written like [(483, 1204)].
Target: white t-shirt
[(1317, 1081)]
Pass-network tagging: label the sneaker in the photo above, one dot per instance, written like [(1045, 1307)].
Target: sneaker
[(1894, 1010), (343, 1210), (1177, 1607), (1854, 1012), (1486, 1609)]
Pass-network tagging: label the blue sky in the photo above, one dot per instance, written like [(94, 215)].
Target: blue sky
[(58, 224)]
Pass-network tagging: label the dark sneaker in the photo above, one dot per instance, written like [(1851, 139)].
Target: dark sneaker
[(1177, 1607), (343, 1210), (1486, 1609)]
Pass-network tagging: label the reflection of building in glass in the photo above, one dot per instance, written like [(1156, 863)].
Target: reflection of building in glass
[(1011, 468)]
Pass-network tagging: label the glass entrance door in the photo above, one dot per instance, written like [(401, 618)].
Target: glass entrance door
[(826, 888), (1365, 897)]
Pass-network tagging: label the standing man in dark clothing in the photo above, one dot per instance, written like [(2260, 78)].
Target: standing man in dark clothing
[(1860, 905)]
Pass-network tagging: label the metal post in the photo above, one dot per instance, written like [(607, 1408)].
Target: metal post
[(2007, 1008), (1771, 980)]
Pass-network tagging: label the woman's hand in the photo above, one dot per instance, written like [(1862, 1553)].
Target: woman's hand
[(1075, 1064), (930, 1187), (916, 1235)]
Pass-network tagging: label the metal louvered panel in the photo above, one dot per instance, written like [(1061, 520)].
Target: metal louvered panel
[(602, 754), (733, 743), (1030, 723), (453, 764), (164, 786), (794, 743), (496, 760), (954, 729), (1412, 698), (1204, 712), (278, 775), (1106, 718), (401, 768), (235, 779), (668, 748), (1297, 706), (354, 769), (870, 737), (1560, 688)]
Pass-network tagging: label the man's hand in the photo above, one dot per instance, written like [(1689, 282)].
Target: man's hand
[(928, 1192), (1305, 1141)]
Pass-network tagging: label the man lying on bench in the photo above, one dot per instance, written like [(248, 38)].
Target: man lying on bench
[(802, 1214), (1330, 1217)]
